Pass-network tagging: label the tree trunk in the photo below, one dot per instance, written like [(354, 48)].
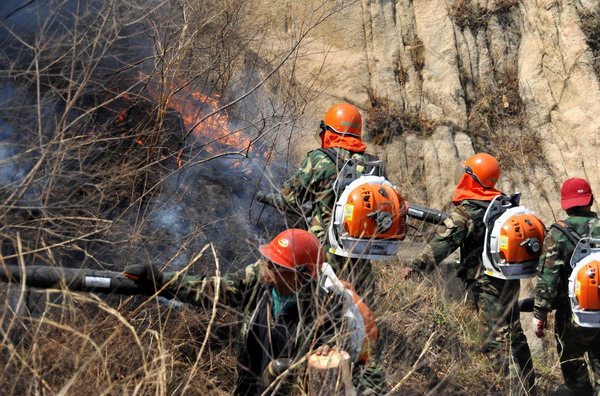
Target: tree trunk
[(330, 375)]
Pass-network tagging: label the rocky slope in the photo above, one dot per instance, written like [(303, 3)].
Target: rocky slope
[(514, 78)]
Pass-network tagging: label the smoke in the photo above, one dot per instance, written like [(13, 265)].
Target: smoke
[(95, 112), (10, 172)]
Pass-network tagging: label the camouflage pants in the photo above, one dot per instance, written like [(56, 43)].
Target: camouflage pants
[(573, 342), (359, 274), (372, 381), (496, 302)]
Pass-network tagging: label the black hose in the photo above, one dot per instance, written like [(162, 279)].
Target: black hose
[(73, 279)]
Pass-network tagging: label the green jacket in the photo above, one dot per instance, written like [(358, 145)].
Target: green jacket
[(554, 267), (313, 183), (465, 229), (313, 321)]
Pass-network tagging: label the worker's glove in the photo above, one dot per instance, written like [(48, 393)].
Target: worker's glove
[(276, 368), (146, 275), (538, 327), (261, 196), (273, 199), (326, 350)]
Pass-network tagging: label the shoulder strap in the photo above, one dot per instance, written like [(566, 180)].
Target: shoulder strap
[(370, 157), (333, 156), (569, 232), (481, 204)]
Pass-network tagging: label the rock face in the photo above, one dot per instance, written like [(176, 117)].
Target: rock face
[(513, 78)]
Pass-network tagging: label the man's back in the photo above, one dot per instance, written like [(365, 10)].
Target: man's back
[(313, 183)]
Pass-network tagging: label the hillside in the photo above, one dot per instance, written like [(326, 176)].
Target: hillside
[(140, 131)]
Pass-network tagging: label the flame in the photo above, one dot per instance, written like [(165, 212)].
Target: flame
[(201, 118), (121, 116), (213, 132), (179, 160)]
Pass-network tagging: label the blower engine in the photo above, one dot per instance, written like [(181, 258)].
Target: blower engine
[(513, 239), (369, 216), (584, 283)]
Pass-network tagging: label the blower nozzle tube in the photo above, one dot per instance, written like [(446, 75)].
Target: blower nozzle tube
[(424, 213), (72, 279)]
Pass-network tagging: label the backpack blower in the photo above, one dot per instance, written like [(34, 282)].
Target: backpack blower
[(513, 239), (584, 283)]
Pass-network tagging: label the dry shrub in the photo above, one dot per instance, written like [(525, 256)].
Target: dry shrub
[(101, 167), (469, 14), (432, 338), (497, 124), (417, 55), (590, 25), (385, 121), (82, 345)]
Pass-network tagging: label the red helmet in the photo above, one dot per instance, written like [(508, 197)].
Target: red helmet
[(297, 250), (484, 168), (344, 119)]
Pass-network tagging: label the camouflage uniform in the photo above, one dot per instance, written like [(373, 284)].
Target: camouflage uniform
[(495, 299), (573, 341), (291, 334), (313, 183)]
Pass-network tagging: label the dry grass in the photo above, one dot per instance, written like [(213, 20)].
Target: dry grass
[(590, 25), (87, 346), (498, 124), (387, 121), (432, 338), (469, 14)]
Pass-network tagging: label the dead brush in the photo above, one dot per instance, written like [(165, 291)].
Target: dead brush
[(81, 345), (497, 124), (93, 152), (590, 25), (471, 15), (432, 339), (387, 121)]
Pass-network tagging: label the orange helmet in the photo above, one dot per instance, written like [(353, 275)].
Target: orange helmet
[(296, 250), (344, 119), (483, 168)]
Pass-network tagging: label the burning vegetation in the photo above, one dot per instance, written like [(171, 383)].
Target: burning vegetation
[(128, 136)]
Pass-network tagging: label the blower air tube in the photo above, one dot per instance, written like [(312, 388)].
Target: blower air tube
[(73, 279), (424, 213)]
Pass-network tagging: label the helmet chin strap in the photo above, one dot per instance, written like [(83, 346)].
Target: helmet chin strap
[(324, 127), (470, 172)]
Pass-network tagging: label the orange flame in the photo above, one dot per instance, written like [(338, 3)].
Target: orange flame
[(214, 131)]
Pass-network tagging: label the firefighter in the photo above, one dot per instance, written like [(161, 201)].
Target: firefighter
[(340, 137), (285, 314), (573, 341), (495, 299)]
